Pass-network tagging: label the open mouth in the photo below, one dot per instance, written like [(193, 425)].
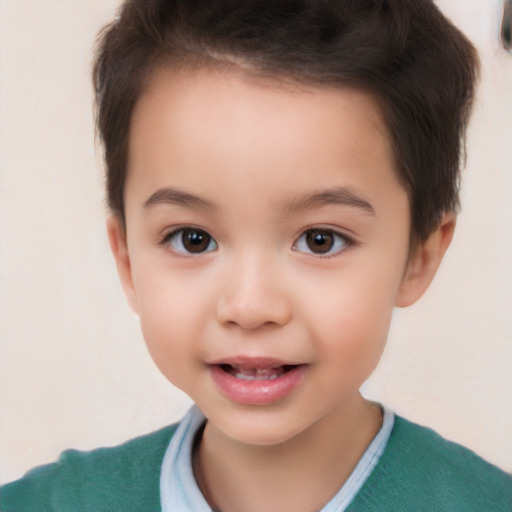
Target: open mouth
[(257, 381), (252, 374)]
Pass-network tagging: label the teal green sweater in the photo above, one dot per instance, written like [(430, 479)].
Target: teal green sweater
[(419, 471)]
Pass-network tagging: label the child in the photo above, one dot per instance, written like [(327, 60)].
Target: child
[(280, 176)]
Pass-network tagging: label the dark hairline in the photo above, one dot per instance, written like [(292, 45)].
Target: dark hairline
[(431, 194)]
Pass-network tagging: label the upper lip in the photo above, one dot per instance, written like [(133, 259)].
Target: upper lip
[(254, 363)]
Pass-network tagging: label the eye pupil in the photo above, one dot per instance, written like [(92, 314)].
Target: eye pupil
[(319, 241), (195, 240)]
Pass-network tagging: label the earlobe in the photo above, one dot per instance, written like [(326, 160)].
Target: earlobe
[(119, 247), (425, 261)]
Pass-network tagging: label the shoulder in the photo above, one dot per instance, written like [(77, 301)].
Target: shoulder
[(124, 477), (422, 471)]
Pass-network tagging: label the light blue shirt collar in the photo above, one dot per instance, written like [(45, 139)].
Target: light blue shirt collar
[(179, 490)]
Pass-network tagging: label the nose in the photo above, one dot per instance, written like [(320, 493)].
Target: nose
[(254, 295)]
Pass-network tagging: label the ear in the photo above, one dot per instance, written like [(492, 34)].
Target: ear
[(119, 247), (425, 261)]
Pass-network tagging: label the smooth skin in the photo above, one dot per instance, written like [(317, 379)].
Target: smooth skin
[(266, 220)]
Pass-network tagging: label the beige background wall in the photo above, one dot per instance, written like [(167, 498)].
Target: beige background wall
[(74, 370)]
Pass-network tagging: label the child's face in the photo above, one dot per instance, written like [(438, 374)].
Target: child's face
[(267, 239)]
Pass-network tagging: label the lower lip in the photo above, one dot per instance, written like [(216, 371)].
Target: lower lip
[(257, 392)]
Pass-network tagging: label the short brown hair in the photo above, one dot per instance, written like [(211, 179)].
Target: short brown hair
[(421, 69)]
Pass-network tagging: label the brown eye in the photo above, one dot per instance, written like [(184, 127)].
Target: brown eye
[(194, 240), (191, 241), (321, 242)]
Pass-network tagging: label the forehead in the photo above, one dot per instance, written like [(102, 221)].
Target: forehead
[(250, 134)]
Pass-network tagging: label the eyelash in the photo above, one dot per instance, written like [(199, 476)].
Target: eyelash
[(206, 243), (338, 238), (171, 236)]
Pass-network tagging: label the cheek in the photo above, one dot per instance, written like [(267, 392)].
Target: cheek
[(354, 342), (172, 318), (354, 315), (170, 301)]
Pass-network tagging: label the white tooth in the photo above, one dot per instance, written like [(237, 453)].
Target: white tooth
[(243, 376)]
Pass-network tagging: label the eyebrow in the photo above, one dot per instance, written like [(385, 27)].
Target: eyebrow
[(333, 196), (173, 196)]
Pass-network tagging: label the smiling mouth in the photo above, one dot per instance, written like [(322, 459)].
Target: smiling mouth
[(255, 374), (257, 381)]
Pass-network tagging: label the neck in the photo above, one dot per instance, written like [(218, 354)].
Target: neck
[(300, 474)]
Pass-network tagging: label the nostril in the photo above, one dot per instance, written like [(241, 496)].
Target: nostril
[(253, 313)]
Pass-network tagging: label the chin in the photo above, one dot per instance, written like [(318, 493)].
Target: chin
[(261, 426)]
